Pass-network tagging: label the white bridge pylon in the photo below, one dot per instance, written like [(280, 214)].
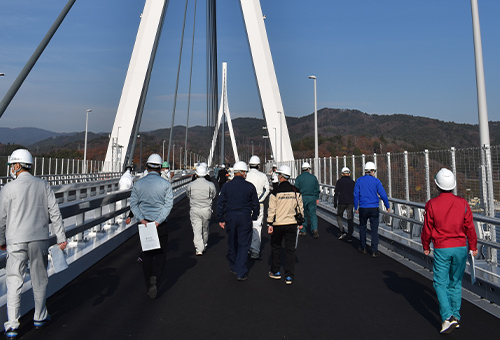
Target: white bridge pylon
[(223, 111), (129, 113)]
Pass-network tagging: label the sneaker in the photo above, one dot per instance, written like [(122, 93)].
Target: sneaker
[(11, 333), (42, 323), (199, 253), (276, 276), (302, 233), (232, 271), (376, 254), (152, 291), (244, 278), (362, 250), (315, 233), (448, 325), (288, 280), (342, 236), (254, 256), (458, 321)]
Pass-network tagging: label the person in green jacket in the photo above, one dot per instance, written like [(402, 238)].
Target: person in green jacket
[(308, 185)]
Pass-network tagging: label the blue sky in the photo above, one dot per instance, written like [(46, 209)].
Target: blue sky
[(383, 57)]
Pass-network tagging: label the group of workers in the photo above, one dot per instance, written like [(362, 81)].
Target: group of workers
[(28, 206)]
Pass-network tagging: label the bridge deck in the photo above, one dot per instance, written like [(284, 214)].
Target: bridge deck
[(337, 293)]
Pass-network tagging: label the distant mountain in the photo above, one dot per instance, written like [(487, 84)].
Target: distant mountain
[(26, 136), (341, 131)]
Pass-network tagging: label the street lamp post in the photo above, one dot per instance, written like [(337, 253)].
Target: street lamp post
[(173, 157), (252, 148), (265, 148), (180, 158), (315, 128), (85, 148), (163, 153), (275, 153)]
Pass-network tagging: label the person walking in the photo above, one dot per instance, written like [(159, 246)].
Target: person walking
[(27, 206), (151, 201), (274, 176), (127, 180), (261, 183), (237, 207), (284, 202), (308, 185), (165, 172), (201, 193), (222, 176), (448, 224), (368, 191), (343, 200)]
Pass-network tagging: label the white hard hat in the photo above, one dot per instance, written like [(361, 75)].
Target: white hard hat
[(285, 170), (370, 166), (240, 166), (254, 160), (203, 164), (21, 156), (222, 166), (201, 171), (275, 166), (346, 170), (154, 161), (306, 165), (445, 180)]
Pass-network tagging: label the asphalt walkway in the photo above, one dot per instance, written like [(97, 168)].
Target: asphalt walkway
[(337, 293)]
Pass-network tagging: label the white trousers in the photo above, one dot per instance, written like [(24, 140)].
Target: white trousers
[(17, 262), (257, 229), (200, 220)]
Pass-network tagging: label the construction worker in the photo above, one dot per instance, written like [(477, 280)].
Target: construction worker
[(27, 206), (449, 226), (165, 172), (261, 183), (343, 200), (308, 185), (151, 201), (368, 191), (284, 202), (222, 176), (237, 207), (274, 176), (127, 180), (201, 193)]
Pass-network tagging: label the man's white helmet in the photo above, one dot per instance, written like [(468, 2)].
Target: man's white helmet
[(201, 171), (370, 166), (285, 170), (21, 156), (254, 160), (275, 166), (306, 166), (240, 166), (154, 161), (222, 166), (346, 170), (445, 180)]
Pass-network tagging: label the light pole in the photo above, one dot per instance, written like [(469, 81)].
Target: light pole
[(180, 158), (275, 145), (85, 148), (265, 148), (173, 157), (252, 148), (315, 128), (163, 153), (281, 134)]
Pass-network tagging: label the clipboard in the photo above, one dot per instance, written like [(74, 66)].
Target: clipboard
[(58, 258), (149, 236), (472, 266)]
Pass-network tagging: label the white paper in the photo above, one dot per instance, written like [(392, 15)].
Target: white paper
[(472, 265), (58, 258), (149, 236)]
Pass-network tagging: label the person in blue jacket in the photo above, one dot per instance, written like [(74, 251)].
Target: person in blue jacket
[(237, 206), (368, 191), (308, 186)]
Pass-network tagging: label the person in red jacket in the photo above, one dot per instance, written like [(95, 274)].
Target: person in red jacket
[(448, 225)]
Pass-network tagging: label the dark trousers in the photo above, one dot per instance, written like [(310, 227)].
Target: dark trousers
[(289, 234), (348, 208), (153, 261), (239, 238), (366, 214)]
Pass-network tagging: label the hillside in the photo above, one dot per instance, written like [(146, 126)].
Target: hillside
[(340, 132)]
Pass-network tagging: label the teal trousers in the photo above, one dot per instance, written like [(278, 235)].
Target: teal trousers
[(449, 266), (310, 213)]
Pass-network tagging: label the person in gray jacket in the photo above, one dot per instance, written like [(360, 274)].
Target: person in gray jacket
[(27, 204), (201, 194)]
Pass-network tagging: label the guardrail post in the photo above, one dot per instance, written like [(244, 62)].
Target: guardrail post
[(337, 166), (453, 167), (389, 178), (407, 179), (331, 171), (375, 161), (427, 176)]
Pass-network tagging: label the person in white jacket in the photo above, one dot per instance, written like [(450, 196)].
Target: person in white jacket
[(261, 184), (27, 204), (201, 193)]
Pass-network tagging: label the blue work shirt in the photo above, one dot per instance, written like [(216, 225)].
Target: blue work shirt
[(238, 196), (152, 198), (367, 191)]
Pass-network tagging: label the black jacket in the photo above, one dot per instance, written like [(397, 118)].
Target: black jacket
[(344, 191)]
